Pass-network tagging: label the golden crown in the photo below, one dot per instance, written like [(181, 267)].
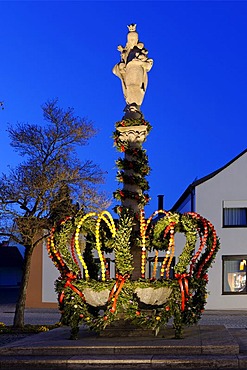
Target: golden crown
[(132, 27)]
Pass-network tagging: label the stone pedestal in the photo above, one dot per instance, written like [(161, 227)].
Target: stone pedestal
[(132, 137)]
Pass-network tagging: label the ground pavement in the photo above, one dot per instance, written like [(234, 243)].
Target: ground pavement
[(219, 341)]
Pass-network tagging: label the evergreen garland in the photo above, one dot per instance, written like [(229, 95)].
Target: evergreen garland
[(140, 167), (62, 238), (133, 179), (123, 194), (188, 226), (134, 167), (133, 122), (123, 256), (188, 290)]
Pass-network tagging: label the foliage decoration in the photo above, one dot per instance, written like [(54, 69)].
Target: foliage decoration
[(140, 167), (84, 300), (134, 166), (98, 300), (133, 179), (133, 122), (123, 256), (142, 199)]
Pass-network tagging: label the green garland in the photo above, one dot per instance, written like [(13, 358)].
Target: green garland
[(141, 168), (136, 162), (142, 199), (133, 179), (123, 257), (184, 306), (133, 122)]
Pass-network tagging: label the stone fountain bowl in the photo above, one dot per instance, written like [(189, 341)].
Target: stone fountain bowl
[(152, 296), (96, 298)]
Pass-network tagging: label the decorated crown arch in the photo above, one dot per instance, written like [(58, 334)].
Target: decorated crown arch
[(86, 292)]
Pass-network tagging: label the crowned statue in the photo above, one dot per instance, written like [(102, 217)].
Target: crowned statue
[(132, 70)]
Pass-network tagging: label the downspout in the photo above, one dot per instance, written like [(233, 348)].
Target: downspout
[(193, 200)]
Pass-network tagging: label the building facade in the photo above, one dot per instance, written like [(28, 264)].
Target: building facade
[(221, 197)]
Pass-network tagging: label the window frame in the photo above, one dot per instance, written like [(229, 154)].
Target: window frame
[(233, 258), (234, 205)]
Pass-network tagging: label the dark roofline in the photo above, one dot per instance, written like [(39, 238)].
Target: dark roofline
[(192, 186), (10, 257)]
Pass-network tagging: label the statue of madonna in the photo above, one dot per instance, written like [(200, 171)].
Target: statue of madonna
[(132, 70)]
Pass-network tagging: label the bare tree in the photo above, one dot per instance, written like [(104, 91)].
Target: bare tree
[(32, 193)]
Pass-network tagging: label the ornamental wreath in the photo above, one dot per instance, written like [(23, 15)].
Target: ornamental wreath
[(146, 303), (133, 122)]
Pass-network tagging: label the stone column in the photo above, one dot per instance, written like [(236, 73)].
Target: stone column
[(132, 137)]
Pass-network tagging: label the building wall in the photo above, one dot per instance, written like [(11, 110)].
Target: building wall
[(40, 291), (228, 185), (49, 275)]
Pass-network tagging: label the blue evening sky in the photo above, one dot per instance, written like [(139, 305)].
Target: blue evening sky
[(196, 99)]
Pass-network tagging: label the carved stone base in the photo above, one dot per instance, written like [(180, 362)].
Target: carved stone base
[(122, 328)]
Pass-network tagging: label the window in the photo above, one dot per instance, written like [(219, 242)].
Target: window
[(234, 274), (158, 268), (234, 213), (234, 217)]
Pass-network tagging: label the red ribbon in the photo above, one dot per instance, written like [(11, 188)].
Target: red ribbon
[(184, 288), (116, 290), (70, 277)]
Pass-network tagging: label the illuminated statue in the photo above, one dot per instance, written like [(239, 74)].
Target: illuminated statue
[(132, 70)]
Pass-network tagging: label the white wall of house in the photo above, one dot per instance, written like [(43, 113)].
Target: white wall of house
[(49, 274), (228, 185)]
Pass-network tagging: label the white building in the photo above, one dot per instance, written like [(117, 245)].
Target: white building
[(221, 197)]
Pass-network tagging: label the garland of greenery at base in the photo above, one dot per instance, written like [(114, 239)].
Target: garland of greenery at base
[(76, 311), (188, 290)]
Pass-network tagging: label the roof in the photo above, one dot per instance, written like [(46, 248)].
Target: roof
[(10, 257), (195, 183)]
